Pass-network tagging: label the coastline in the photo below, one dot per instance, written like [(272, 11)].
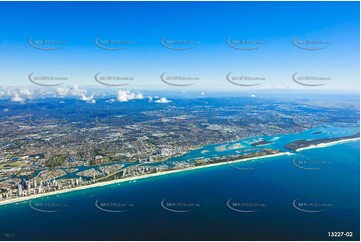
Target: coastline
[(107, 183), (321, 145)]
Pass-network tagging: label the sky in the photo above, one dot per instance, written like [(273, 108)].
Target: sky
[(204, 28)]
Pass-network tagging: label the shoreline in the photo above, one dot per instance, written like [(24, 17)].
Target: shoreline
[(321, 145), (107, 183)]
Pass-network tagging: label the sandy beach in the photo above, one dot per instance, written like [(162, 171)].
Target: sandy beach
[(321, 145), (100, 184)]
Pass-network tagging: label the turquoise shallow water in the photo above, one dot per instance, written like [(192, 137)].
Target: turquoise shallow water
[(276, 142), (273, 199)]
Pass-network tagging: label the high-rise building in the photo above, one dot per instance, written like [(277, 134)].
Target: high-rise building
[(20, 189)]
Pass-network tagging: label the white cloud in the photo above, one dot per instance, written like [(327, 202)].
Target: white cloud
[(125, 96), (89, 99), (26, 92), (72, 91), (17, 98), (163, 100), (84, 98), (62, 91), (76, 91), (110, 100)]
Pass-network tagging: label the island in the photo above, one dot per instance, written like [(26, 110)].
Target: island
[(261, 142), (302, 144)]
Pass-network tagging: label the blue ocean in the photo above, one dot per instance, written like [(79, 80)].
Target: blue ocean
[(278, 198)]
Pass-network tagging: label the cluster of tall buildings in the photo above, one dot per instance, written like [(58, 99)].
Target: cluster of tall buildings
[(33, 187)]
